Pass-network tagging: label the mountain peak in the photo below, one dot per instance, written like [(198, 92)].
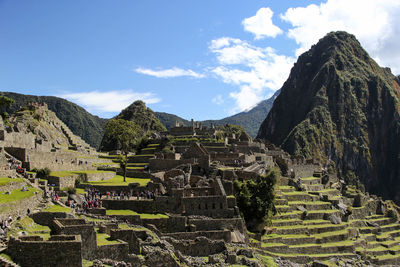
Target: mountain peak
[(338, 104)]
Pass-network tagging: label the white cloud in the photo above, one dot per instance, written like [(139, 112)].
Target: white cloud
[(256, 70), (169, 73), (218, 100), (110, 101), (373, 22), (261, 24)]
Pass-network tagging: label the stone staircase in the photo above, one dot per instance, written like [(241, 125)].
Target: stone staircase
[(302, 230)]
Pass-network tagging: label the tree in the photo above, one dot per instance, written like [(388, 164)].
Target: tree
[(255, 199), (122, 135), (5, 102)]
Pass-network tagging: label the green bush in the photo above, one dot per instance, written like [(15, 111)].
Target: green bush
[(255, 200), (43, 173)]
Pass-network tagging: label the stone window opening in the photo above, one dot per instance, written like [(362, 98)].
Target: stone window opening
[(213, 206), (199, 206), (206, 206)]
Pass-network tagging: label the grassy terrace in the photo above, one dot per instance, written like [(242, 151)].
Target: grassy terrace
[(28, 225), (17, 194), (131, 212), (309, 178), (57, 208), (6, 180), (68, 173), (104, 239), (118, 180)]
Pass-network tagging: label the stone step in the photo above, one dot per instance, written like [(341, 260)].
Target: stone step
[(286, 188), (297, 239), (332, 237), (314, 187), (320, 214), (283, 208), (390, 227), (298, 196), (328, 192), (377, 251), (289, 215), (382, 221), (387, 259), (310, 205), (310, 180), (277, 223), (281, 201)]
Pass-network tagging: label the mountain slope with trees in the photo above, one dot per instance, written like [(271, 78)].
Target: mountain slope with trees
[(339, 105), (89, 127)]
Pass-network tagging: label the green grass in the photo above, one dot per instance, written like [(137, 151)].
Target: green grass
[(69, 173), (17, 194), (134, 168), (268, 245), (267, 260), (57, 208), (80, 191), (137, 164), (28, 225), (143, 155), (7, 257), (6, 180), (104, 239), (131, 212), (118, 180), (310, 178)]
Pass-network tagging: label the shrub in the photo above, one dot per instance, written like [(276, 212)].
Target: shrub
[(43, 173), (255, 200), (282, 165)]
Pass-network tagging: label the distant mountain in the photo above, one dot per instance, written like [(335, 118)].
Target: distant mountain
[(89, 127), (249, 120), (144, 121), (339, 105)]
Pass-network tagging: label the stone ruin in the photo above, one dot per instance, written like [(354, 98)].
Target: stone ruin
[(192, 212)]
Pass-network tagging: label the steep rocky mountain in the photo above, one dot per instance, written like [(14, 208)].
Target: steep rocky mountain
[(249, 120), (338, 104), (89, 127)]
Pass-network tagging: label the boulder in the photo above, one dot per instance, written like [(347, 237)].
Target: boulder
[(335, 219)]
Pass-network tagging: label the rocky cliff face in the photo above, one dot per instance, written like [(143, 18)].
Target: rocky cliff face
[(338, 104)]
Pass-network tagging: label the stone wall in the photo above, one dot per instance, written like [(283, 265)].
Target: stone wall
[(140, 206), (113, 251), (212, 206), (167, 164), (62, 182), (47, 218), (20, 207), (78, 227), (59, 252), (214, 235), (129, 236), (199, 247), (304, 170)]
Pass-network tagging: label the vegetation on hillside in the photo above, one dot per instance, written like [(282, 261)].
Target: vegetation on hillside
[(255, 199), (89, 127), (339, 105)]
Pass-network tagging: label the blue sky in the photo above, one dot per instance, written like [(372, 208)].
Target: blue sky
[(196, 59)]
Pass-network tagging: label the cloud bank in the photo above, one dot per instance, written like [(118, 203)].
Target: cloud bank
[(169, 73), (261, 24), (109, 101), (373, 22)]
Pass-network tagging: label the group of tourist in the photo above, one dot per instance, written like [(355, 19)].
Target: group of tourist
[(4, 225), (92, 200)]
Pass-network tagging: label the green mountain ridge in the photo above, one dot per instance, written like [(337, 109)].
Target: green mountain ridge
[(339, 105), (89, 127)]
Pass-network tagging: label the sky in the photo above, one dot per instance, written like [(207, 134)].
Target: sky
[(197, 59)]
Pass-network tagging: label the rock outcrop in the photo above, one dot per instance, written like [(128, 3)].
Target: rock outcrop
[(339, 105)]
